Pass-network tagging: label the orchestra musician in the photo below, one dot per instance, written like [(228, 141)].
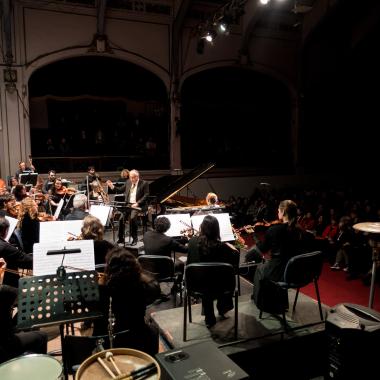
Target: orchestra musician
[(92, 229), (14, 257), (90, 177), (207, 247), (23, 168), (157, 243), (19, 192), (49, 181), (136, 192), (57, 192), (79, 211), (28, 223), (97, 193), (282, 241), (131, 291), (12, 343), (13, 182)]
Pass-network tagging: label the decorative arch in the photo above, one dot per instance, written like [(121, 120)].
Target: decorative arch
[(138, 60)]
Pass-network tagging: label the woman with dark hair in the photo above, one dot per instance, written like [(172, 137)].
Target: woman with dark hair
[(207, 247), (282, 241), (129, 291)]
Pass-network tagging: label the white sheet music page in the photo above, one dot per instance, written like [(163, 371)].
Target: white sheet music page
[(178, 223), (12, 226), (59, 230), (102, 212), (44, 263), (226, 233)]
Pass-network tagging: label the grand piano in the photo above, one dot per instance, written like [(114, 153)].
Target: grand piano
[(163, 192)]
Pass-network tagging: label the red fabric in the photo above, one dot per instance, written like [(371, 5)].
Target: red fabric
[(335, 289)]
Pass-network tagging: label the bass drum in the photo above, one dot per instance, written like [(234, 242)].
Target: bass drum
[(32, 367), (126, 359)]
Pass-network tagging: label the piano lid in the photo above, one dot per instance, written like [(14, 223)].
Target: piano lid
[(167, 186)]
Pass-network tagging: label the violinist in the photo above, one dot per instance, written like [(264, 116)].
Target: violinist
[(157, 243), (97, 193), (29, 224), (57, 192), (79, 211), (281, 241), (9, 206), (49, 181), (13, 182), (92, 229), (14, 257), (19, 192)]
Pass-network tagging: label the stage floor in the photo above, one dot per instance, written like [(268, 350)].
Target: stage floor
[(264, 349), (250, 326)]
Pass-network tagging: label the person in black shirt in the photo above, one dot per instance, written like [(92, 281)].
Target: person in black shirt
[(207, 247), (282, 241)]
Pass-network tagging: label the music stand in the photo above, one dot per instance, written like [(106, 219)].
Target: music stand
[(28, 178), (49, 300)]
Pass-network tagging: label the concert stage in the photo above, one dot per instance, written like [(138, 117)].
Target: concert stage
[(263, 349)]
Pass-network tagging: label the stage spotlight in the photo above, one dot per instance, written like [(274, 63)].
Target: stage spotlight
[(264, 2), (222, 27), (210, 36)]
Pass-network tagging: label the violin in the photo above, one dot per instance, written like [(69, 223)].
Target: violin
[(44, 217)]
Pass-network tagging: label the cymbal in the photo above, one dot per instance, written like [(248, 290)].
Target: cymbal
[(372, 227)]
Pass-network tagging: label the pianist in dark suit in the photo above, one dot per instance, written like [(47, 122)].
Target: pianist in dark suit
[(136, 191)]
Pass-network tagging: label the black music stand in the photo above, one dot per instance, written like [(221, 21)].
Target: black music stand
[(28, 178), (53, 299)]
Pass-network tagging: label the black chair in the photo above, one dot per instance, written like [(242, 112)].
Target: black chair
[(300, 271), (162, 269), (211, 280)]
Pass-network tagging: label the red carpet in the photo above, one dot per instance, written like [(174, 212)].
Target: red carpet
[(335, 289)]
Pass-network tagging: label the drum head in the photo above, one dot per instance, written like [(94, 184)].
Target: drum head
[(126, 359), (32, 367)]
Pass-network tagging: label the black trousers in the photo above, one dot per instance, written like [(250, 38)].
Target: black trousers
[(132, 216)]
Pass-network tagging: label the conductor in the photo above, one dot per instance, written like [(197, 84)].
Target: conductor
[(136, 191)]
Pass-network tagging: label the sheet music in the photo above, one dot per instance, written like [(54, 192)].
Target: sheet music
[(225, 227), (101, 212), (59, 208), (176, 223), (12, 226), (44, 264), (58, 231)]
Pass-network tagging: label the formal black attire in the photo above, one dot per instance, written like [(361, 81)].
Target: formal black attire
[(15, 258), (142, 193), (12, 343), (157, 243), (88, 180), (30, 232), (283, 243), (76, 214), (101, 248), (129, 301), (214, 252)]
